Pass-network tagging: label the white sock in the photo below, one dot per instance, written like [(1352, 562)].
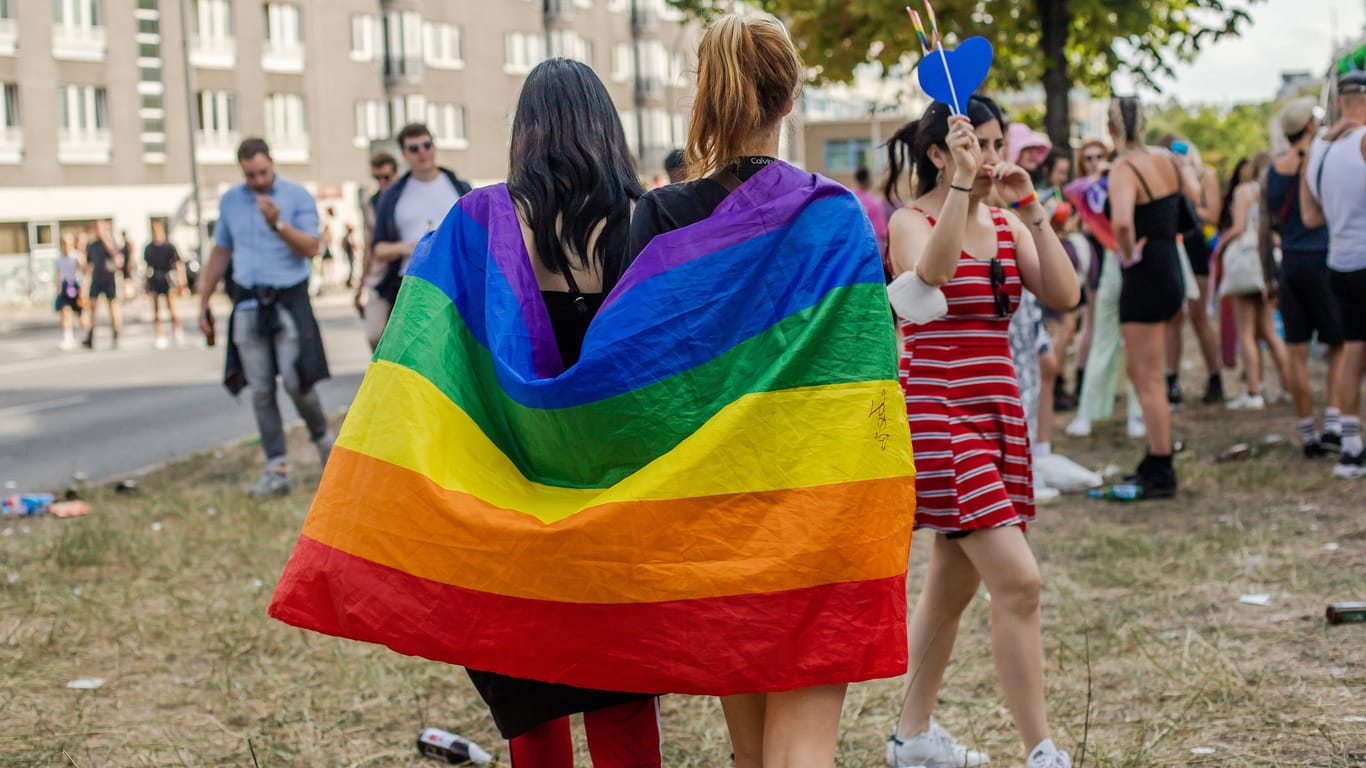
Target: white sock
[(1351, 435), (1332, 420), (1307, 433), (1044, 448)]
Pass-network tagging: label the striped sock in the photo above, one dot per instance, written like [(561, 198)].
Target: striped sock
[(1308, 435), (1332, 420), (1351, 435)]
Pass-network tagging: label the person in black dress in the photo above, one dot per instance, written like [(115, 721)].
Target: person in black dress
[(573, 182), (103, 264), (165, 278)]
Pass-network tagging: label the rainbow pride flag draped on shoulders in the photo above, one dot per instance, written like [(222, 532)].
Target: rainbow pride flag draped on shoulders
[(716, 499)]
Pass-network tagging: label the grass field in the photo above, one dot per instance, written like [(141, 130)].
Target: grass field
[(1151, 658)]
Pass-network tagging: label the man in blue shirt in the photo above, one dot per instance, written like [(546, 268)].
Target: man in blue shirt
[(267, 232)]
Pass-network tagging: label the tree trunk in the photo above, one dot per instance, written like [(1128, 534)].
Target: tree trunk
[(1054, 20)]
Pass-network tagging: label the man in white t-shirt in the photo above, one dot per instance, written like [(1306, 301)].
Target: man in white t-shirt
[(416, 204), (1334, 193)]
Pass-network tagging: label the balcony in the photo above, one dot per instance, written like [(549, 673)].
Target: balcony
[(11, 146), (288, 150), (213, 53), (9, 37), (217, 147), (287, 58), (402, 69), (78, 43), (559, 10), (83, 146)]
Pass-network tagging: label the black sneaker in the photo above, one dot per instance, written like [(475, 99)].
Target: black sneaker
[(1173, 389), (1332, 441), (1314, 449), (1214, 391), (89, 342)]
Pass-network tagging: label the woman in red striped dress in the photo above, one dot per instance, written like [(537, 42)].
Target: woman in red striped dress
[(974, 484)]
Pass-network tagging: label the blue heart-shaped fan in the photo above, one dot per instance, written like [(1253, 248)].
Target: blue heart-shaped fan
[(968, 64)]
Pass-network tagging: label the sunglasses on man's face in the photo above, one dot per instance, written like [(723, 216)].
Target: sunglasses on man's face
[(383, 178), (1092, 158), (414, 148), (998, 287)]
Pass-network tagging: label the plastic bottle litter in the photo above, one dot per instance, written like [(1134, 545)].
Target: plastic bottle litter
[(25, 504), (1342, 613), (1235, 452), (1118, 492), (444, 745)]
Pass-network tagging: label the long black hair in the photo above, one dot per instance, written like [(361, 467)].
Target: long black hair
[(570, 170), (1226, 207), (910, 146)]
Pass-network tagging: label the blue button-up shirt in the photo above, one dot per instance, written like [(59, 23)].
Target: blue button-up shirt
[(259, 255)]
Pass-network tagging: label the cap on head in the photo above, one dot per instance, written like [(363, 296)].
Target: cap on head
[(1296, 116)]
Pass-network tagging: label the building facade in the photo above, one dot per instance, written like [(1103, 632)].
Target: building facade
[(101, 99)]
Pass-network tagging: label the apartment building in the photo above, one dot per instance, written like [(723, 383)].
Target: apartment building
[(99, 101)]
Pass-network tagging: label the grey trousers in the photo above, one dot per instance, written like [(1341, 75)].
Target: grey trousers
[(260, 357)]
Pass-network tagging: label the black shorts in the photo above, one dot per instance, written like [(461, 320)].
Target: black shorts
[(1153, 290), (1350, 288), (159, 283), (67, 298), (1198, 250), (1309, 308), (104, 286)]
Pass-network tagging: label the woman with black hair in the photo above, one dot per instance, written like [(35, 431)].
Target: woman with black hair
[(1145, 206), (573, 183), (973, 475)]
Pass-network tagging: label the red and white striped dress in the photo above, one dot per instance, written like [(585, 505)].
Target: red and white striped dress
[(968, 429)]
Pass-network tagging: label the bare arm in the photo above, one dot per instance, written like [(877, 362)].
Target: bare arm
[(1123, 198), (394, 251), (936, 261), (1245, 195), (1209, 196), (214, 269), (1044, 266)]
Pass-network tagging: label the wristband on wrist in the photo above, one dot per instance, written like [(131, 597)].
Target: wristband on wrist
[(960, 189), (1030, 199)]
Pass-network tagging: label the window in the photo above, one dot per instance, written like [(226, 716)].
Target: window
[(522, 51), (407, 109), (14, 237), (9, 29), (678, 71), (282, 25), (76, 14), (78, 30), (402, 35), (217, 113), (653, 60), (680, 126), (847, 155), (623, 62), (9, 107), (285, 116), (372, 122), (6, 9), (444, 46), (567, 43), (631, 126), (364, 38), (150, 87), (655, 128), (584, 3), (447, 122), (213, 20), (618, 6), (83, 122)]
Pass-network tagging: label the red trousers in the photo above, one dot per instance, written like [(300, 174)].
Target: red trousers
[(624, 736)]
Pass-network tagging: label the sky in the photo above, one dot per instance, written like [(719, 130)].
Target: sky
[(1285, 35)]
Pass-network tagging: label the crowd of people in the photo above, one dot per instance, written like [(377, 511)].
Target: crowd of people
[(1009, 272)]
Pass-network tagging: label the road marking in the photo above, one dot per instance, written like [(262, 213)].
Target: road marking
[(43, 405)]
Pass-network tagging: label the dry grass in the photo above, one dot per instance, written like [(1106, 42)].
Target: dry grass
[(1141, 602)]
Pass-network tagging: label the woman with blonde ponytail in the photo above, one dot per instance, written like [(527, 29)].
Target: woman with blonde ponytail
[(806, 246)]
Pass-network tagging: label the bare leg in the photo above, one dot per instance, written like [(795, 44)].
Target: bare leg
[(1143, 346), (115, 319), (1011, 573), (1245, 315), (1299, 380), (1048, 376), (745, 721), (1266, 329), (171, 310), (949, 587), (801, 728), (1335, 374), (1173, 331), (1349, 380), (156, 314), (1204, 328), (66, 320)]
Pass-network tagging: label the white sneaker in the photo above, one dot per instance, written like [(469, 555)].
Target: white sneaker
[(1080, 427), (1043, 492), (162, 342), (934, 748), (178, 336), (1064, 474), (1246, 402), (273, 482), (1135, 427), (1048, 756), (68, 343)]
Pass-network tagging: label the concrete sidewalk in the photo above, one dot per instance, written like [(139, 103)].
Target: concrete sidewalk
[(40, 316)]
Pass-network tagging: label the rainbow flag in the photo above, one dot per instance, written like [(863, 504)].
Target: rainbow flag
[(716, 499)]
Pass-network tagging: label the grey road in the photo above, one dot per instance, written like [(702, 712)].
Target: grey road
[(112, 412)]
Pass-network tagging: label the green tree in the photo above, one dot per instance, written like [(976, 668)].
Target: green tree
[(1061, 43), (1223, 136)]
